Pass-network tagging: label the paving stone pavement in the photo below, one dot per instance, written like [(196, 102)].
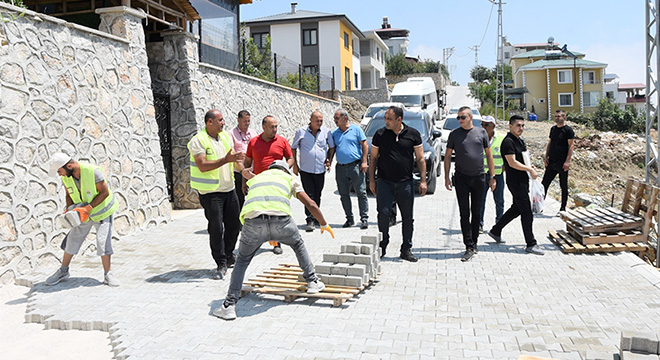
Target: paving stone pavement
[(500, 305)]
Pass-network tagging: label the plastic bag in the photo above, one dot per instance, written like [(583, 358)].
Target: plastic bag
[(537, 195)]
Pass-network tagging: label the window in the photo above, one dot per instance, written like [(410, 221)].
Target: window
[(310, 70), (356, 80), (565, 99), (390, 50), (347, 78), (309, 37), (590, 77), (610, 95), (346, 40), (564, 76), (259, 39), (591, 98)]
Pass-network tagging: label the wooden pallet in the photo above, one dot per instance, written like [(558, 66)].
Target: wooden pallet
[(283, 280), (569, 244), (601, 220), (588, 238)]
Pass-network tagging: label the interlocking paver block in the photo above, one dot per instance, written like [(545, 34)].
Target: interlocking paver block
[(339, 269), (644, 342), (354, 281), (629, 355), (324, 268), (332, 258), (346, 258), (350, 249), (356, 270), (370, 239)]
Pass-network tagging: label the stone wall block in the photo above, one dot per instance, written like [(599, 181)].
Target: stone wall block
[(69, 55), (66, 90), (111, 80), (56, 241), (7, 227), (122, 225), (6, 177), (140, 218), (39, 241), (7, 277), (32, 38), (123, 205), (36, 191), (28, 245), (8, 128), (20, 188), (31, 127), (137, 122), (47, 223), (12, 73), (6, 151), (5, 200), (42, 110), (53, 129), (92, 128), (36, 74), (30, 226), (47, 207), (12, 102), (25, 150), (136, 149), (24, 266), (84, 145), (99, 152)]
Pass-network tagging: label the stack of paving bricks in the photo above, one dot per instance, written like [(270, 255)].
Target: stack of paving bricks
[(356, 265), (639, 346), (609, 229), (345, 274)]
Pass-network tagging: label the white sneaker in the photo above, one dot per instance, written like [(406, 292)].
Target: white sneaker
[(58, 276), (110, 279), (315, 286), (225, 313)]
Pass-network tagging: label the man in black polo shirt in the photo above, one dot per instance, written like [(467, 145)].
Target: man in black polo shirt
[(392, 149), (558, 155), (517, 180), (469, 143)]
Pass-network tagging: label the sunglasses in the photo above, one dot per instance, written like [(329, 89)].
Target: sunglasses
[(462, 117)]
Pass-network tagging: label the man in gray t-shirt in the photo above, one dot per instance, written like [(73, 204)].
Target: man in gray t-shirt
[(469, 143)]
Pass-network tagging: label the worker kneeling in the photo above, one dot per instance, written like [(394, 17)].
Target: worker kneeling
[(266, 215)]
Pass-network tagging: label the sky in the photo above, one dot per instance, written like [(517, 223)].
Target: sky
[(608, 31)]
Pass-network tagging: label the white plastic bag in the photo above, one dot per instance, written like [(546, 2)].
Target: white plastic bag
[(536, 196)]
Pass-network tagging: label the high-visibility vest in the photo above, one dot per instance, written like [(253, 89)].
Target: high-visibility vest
[(495, 146), (88, 189), (208, 180), (269, 191)]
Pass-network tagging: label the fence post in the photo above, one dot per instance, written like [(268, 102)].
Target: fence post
[(275, 64), (300, 76), (318, 83), (199, 45), (244, 62)]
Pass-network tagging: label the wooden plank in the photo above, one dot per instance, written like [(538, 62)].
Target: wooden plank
[(301, 285), (604, 238)]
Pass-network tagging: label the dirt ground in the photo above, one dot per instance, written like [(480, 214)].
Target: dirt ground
[(601, 163)]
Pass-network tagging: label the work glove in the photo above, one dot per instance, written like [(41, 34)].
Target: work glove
[(84, 212), (327, 228)]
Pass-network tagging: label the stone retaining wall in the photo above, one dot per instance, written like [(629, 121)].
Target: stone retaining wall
[(64, 87), (194, 88), (367, 97)]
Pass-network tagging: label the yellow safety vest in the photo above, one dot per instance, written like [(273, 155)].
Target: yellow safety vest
[(269, 191), (88, 188), (209, 180), (495, 146)]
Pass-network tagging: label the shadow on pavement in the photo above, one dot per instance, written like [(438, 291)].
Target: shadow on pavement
[(71, 283), (177, 276)]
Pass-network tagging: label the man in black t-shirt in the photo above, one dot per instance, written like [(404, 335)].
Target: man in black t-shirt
[(517, 180), (558, 155), (469, 143), (392, 150)]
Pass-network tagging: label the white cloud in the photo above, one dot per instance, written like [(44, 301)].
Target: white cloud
[(625, 60)]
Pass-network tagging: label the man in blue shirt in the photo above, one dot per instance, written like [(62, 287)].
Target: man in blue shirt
[(314, 142), (351, 149)]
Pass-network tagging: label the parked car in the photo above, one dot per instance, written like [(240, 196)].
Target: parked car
[(376, 107), (454, 111), (449, 124), (422, 122)]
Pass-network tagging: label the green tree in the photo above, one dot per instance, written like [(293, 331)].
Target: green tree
[(309, 82), (258, 62), (398, 65)]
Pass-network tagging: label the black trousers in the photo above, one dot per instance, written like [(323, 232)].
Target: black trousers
[(550, 172), (521, 207), (313, 186), (470, 195), (221, 210), (238, 184)]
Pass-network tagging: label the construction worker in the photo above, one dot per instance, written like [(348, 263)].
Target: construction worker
[(495, 138), (266, 215), (88, 194), (212, 159)]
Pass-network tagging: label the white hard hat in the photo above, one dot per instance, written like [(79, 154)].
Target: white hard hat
[(280, 164), (57, 161)]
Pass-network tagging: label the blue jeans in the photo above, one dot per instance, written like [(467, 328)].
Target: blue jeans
[(350, 174), (404, 194), (258, 231), (498, 196)]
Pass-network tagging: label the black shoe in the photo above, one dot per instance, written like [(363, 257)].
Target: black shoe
[(220, 272), (408, 256), (481, 229), (364, 224), (497, 238), (382, 251), (310, 226), (469, 254), (277, 250), (392, 221), (231, 260), (348, 223)]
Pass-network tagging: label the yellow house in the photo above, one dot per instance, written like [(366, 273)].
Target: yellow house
[(556, 81)]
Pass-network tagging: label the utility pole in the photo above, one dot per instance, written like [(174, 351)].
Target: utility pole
[(446, 54), (476, 55), (500, 64)]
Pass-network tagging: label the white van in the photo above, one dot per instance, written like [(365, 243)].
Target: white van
[(418, 93)]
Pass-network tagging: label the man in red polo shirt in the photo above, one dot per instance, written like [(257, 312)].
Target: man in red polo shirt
[(262, 151)]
